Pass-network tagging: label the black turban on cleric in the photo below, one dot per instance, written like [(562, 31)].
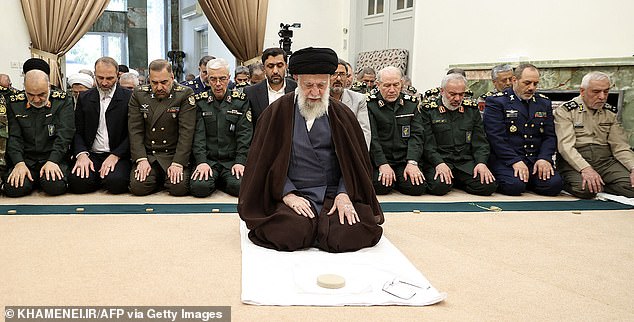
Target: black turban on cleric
[(36, 63), (313, 60)]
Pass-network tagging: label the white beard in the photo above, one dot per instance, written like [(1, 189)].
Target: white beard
[(448, 105), (312, 110)]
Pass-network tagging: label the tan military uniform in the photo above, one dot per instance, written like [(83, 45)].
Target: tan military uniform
[(161, 131), (593, 138)]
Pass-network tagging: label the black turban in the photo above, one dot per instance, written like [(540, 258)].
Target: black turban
[(313, 61), (36, 63)]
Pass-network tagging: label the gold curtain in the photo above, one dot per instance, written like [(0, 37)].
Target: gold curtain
[(239, 23), (56, 26)]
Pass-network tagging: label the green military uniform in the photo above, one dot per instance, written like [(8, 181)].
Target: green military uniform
[(593, 138), (4, 130), (38, 135), (397, 137), (223, 135), (457, 139), (360, 87), (161, 131), (433, 94)]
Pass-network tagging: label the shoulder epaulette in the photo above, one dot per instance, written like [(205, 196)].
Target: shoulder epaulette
[(499, 94), (411, 98), (543, 96), (430, 105), (570, 105), (412, 89), (469, 103), (145, 88), (17, 97), (179, 88), (201, 96), (487, 94), (371, 97), (468, 93), (239, 95), (58, 94), (433, 91), (609, 107)]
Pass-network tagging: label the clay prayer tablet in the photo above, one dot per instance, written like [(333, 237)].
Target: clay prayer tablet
[(331, 281)]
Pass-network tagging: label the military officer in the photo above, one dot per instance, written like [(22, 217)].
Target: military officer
[(223, 134), (397, 134), (161, 122), (519, 126), (502, 78), (432, 94), (4, 135), (455, 148), (595, 153), (41, 128), (200, 84)]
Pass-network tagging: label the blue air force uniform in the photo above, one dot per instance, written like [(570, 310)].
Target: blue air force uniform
[(196, 85), (520, 130)]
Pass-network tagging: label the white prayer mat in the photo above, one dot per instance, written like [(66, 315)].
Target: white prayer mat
[(620, 199), (380, 275)]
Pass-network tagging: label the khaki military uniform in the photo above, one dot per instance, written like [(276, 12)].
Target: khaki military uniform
[(457, 139), (223, 135), (593, 138), (161, 131), (397, 137), (39, 135)]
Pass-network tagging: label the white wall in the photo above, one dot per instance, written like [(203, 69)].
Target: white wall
[(322, 23), (498, 30), (14, 41)]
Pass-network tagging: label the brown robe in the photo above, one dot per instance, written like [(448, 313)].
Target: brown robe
[(275, 225)]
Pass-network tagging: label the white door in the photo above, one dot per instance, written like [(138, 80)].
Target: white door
[(384, 24)]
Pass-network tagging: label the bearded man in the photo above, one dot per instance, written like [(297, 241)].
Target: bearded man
[(101, 145), (41, 128), (313, 187)]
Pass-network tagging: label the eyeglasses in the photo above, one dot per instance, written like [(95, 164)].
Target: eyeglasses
[(340, 74), (214, 80)]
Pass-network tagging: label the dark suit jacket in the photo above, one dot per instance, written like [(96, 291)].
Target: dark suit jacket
[(258, 96), (87, 121)]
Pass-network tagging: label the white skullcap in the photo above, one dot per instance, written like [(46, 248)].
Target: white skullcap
[(82, 79)]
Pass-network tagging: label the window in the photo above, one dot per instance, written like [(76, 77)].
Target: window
[(94, 45), (117, 5), (404, 4), (202, 42), (156, 30), (375, 7)]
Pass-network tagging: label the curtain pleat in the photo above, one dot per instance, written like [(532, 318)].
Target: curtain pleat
[(240, 24), (55, 26)]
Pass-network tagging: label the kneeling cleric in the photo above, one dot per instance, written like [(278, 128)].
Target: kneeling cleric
[(307, 178)]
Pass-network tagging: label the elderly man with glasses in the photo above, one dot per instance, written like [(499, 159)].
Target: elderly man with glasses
[(223, 134)]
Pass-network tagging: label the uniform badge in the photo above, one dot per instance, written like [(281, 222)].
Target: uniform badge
[(541, 114), (144, 109), (461, 109), (405, 131), (513, 129), (468, 136), (441, 109), (51, 129), (541, 130), (3, 109), (401, 102), (228, 99), (512, 97), (249, 117), (174, 111), (210, 99), (192, 100), (381, 103)]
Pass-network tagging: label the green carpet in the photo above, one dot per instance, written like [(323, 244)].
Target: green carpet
[(201, 208)]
